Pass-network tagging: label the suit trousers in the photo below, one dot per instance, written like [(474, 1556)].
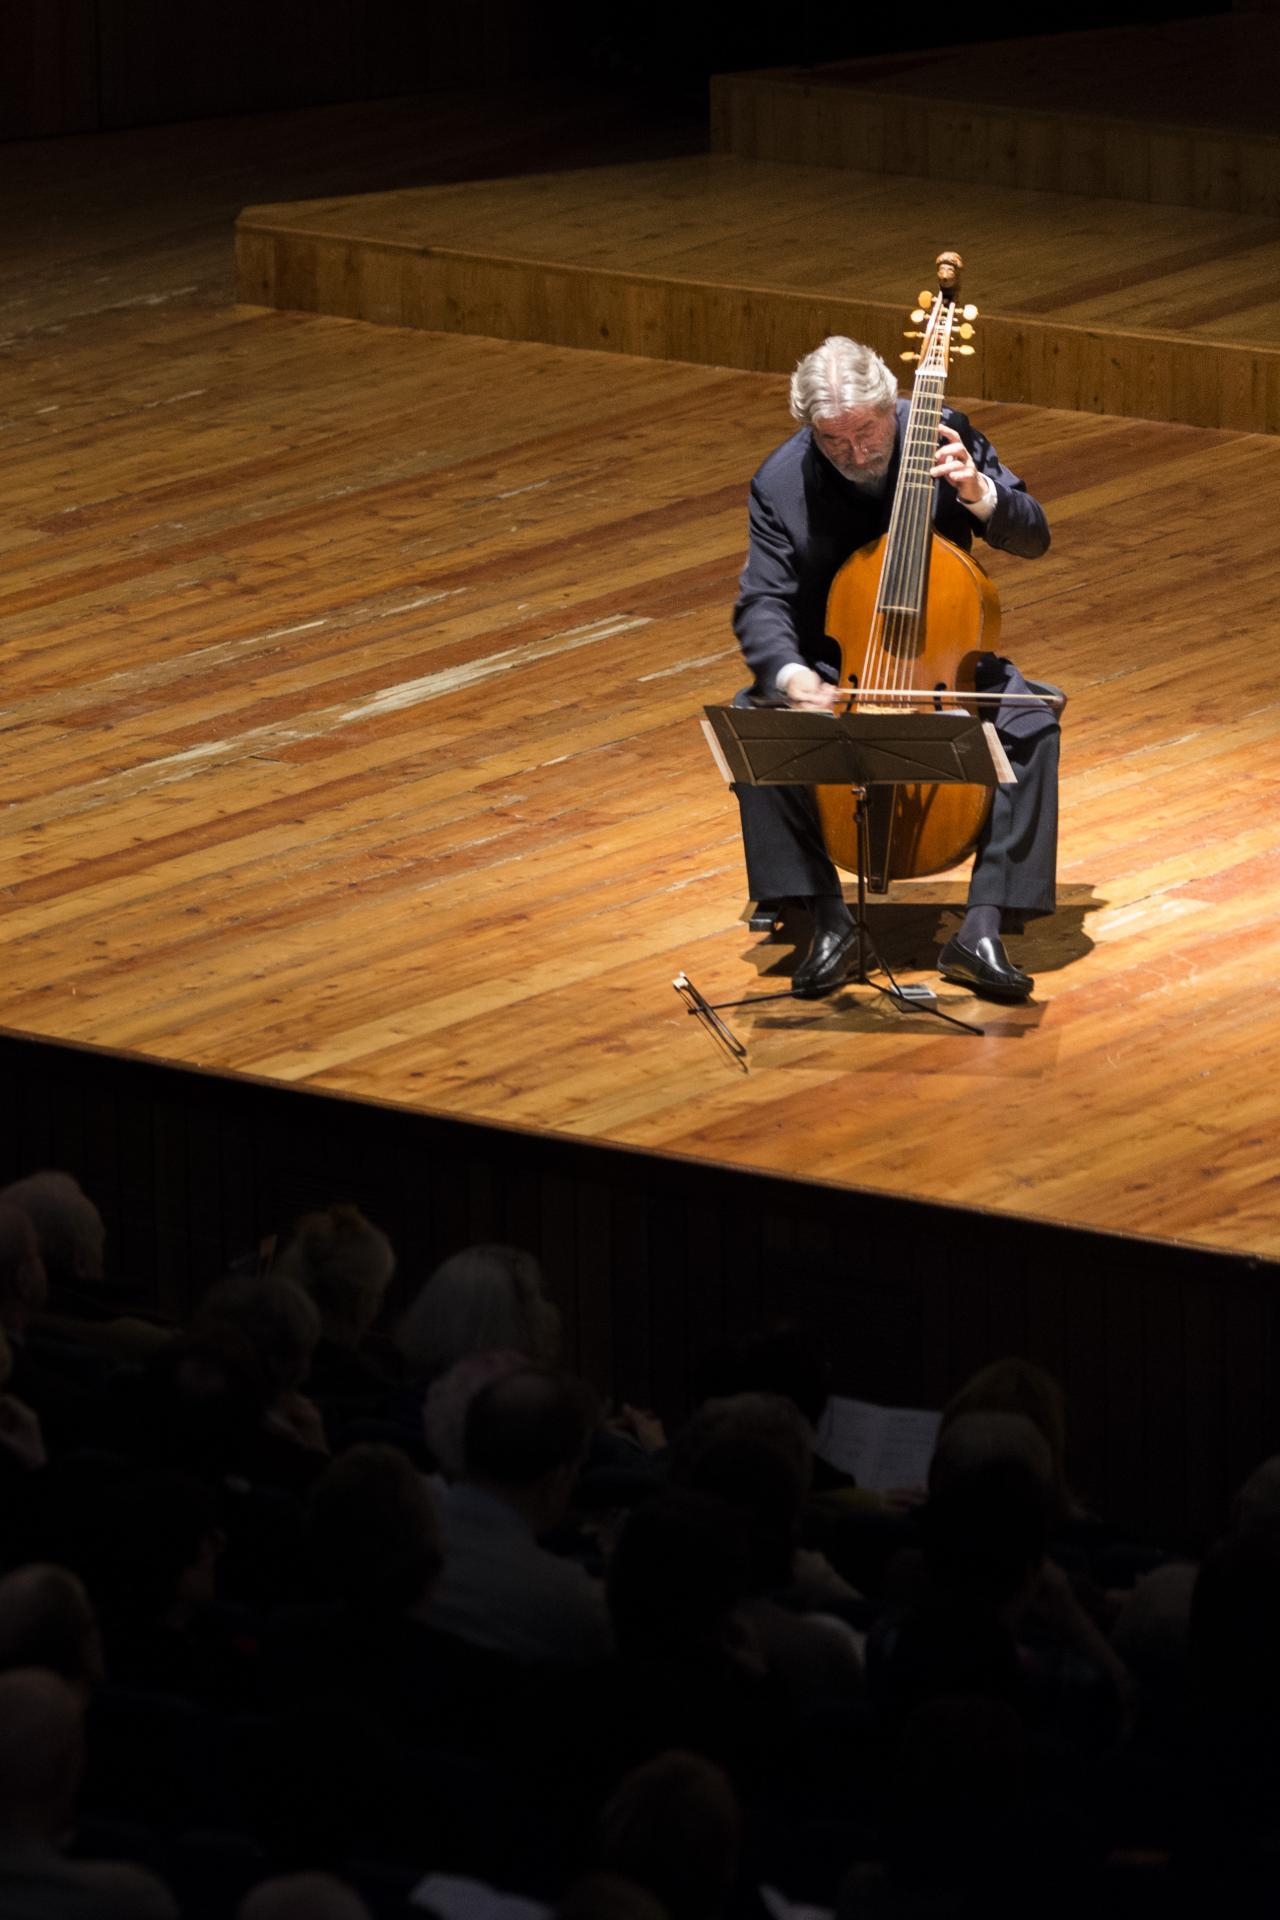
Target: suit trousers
[(1014, 866)]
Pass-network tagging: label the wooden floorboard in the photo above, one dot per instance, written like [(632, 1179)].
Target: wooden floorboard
[(1099, 304), (352, 686)]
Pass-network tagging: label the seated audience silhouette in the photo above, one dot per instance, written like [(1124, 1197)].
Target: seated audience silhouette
[(524, 1441), (41, 1759)]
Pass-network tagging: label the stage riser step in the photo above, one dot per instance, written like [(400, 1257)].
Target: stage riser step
[(1199, 382), (785, 118)]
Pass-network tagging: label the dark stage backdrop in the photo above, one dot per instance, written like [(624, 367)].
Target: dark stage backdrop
[(74, 66)]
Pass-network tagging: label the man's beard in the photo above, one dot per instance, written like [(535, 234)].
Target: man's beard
[(866, 479)]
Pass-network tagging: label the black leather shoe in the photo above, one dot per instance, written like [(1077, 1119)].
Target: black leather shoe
[(828, 963), (985, 968)]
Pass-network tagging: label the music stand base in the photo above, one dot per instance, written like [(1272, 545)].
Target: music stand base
[(912, 998)]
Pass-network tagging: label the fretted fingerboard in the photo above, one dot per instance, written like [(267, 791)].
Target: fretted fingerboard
[(903, 577)]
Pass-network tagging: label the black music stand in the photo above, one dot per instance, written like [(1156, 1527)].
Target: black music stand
[(790, 746)]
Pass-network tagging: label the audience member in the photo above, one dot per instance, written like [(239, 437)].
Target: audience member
[(41, 1758), (525, 1438), (22, 1447), (985, 1534), (58, 1402), (1014, 1386), (373, 1534), (605, 1896), (87, 1322), (483, 1300), (205, 1404), (1258, 1499), (972, 1440), (47, 1620), (303, 1896), (448, 1398), (691, 1673), (1152, 1630), (754, 1452), (282, 1324), (964, 1832), (68, 1227), (1227, 1834), (345, 1264), (151, 1553), (674, 1827), (385, 1724), (1235, 1636), (23, 1285)]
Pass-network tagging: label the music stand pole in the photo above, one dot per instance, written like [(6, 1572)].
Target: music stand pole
[(906, 999)]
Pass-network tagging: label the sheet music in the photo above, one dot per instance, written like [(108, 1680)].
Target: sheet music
[(882, 1447)]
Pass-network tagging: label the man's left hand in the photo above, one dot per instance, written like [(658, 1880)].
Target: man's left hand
[(953, 463)]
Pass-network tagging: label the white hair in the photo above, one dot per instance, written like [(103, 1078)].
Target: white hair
[(837, 377), (480, 1300)]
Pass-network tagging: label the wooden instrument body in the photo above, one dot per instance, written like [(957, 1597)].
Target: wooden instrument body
[(914, 828)]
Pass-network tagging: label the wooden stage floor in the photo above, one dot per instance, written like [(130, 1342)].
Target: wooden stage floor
[(351, 739)]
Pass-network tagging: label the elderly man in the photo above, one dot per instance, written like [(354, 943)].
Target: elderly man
[(822, 495)]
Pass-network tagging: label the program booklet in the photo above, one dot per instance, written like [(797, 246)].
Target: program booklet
[(882, 1447)]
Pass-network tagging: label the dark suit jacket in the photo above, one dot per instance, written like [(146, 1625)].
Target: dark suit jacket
[(806, 520)]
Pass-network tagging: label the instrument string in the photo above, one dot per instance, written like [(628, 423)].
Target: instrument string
[(899, 606)]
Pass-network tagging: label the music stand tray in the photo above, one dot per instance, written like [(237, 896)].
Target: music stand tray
[(788, 746)]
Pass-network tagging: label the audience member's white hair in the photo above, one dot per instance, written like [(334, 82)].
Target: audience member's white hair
[(478, 1301), (303, 1896), (838, 377), (68, 1225)]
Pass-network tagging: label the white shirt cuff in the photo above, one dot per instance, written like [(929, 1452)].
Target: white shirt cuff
[(984, 508), (785, 675)]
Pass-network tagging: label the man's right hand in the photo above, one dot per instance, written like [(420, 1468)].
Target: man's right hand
[(805, 688)]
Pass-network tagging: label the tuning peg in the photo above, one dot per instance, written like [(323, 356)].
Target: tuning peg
[(964, 349), (971, 313), (918, 315), (927, 299), (908, 356), (907, 334), (966, 331)]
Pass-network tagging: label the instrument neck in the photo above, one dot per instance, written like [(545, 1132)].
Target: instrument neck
[(904, 576)]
